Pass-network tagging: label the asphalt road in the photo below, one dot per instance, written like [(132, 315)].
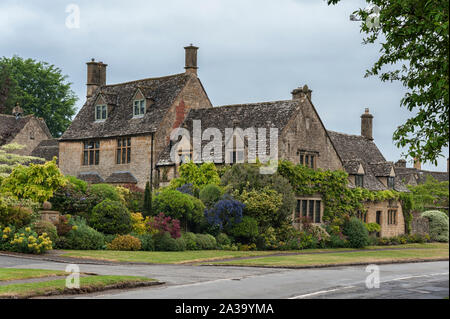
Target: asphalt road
[(397, 281)]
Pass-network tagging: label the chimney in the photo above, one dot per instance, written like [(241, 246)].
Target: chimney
[(417, 164), (401, 163), (191, 59), (366, 125), (17, 111), (96, 76), (301, 92)]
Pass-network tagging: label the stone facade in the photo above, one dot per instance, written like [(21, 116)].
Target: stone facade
[(31, 135), (390, 226)]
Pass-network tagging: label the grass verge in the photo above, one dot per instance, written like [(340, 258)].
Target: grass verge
[(200, 256), (58, 287), (7, 274), (342, 258)]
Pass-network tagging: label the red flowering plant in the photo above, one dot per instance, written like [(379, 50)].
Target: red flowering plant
[(161, 224)]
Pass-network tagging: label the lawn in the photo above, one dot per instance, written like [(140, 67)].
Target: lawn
[(7, 274), (52, 287), (436, 251), (413, 251), (162, 257)]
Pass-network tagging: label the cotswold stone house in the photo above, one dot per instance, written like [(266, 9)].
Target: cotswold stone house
[(122, 135), (29, 131), (122, 128)]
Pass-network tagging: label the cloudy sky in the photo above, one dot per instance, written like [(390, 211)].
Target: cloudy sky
[(250, 51)]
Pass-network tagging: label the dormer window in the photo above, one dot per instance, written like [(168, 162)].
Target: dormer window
[(359, 180), (101, 112), (391, 182), (139, 107)]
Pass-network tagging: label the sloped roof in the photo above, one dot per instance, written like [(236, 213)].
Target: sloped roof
[(91, 177), (352, 166), (163, 91), (121, 178), (358, 149), (414, 176), (47, 149), (10, 127), (255, 115)]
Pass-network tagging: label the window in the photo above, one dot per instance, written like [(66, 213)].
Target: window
[(91, 153), (391, 182), (101, 112), (237, 156), (308, 159), (123, 154), (308, 208), (378, 217), (392, 217), (362, 216), (359, 180), (138, 107)]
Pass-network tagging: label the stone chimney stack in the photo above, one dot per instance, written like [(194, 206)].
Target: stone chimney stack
[(191, 59), (367, 125), (417, 164), (301, 92), (96, 76), (17, 111), (401, 163)]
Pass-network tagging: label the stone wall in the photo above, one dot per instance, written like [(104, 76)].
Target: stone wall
[(386, 229), (30, 136), (306, 132)]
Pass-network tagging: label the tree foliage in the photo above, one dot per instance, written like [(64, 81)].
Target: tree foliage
[(9, 159), (197, 175), (431, 194), (415, 51), (40, 89)]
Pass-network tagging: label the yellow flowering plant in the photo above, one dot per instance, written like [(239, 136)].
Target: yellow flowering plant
[(26, 241)]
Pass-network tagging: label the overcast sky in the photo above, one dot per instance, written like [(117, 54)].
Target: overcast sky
[(250, 51)]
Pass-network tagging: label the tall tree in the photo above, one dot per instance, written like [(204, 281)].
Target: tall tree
[(40, 89), (414, 36)]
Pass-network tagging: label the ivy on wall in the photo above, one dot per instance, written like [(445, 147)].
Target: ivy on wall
[(339, 200)]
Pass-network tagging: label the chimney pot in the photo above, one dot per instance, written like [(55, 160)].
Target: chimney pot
[(301, 92), (96, 76), (191, 59), (367, 124)]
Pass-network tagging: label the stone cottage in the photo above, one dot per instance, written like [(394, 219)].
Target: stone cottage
[(29, 131), (124, 134), (122, 128)]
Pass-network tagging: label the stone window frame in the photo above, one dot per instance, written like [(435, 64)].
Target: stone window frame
[(101, 112), (91, 153), (362, 216), (299, 209), (392, 217), (123, 147), (311, 156), (139, 107), (359, 180)]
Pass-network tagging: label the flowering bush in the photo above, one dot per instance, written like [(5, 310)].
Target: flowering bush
[(125, 242), (161, 224), (226, 213), (44, 227), (24, 241), (138, 223)]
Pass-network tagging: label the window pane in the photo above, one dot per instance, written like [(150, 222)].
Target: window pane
[(302, 159), (142, 106), (97, 113), (307, 160), (86, 145), (118, 156), (312, 161), (317, 216), (85, 158), (304, 207), (128, 155), (97, 157), (297, 209), (129, 141), (91, 157), (311, 210), (124, 156)]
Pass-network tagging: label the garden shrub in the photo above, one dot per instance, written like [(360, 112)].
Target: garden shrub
[(223, 240), (165, 242), (246, 231), (186, 208), (72, 200), (77, 184), (338, 241), (105, 191), (161, 224), (125, 242), (16, 216), (42, 226), (205, 241), (356, 232), (148, 243), (111, 217), (226, 213), (82, 237), (210, 195), (190, 240), (138, 223), (24, 240), (438, 225), (132, 196), (373, 228)]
